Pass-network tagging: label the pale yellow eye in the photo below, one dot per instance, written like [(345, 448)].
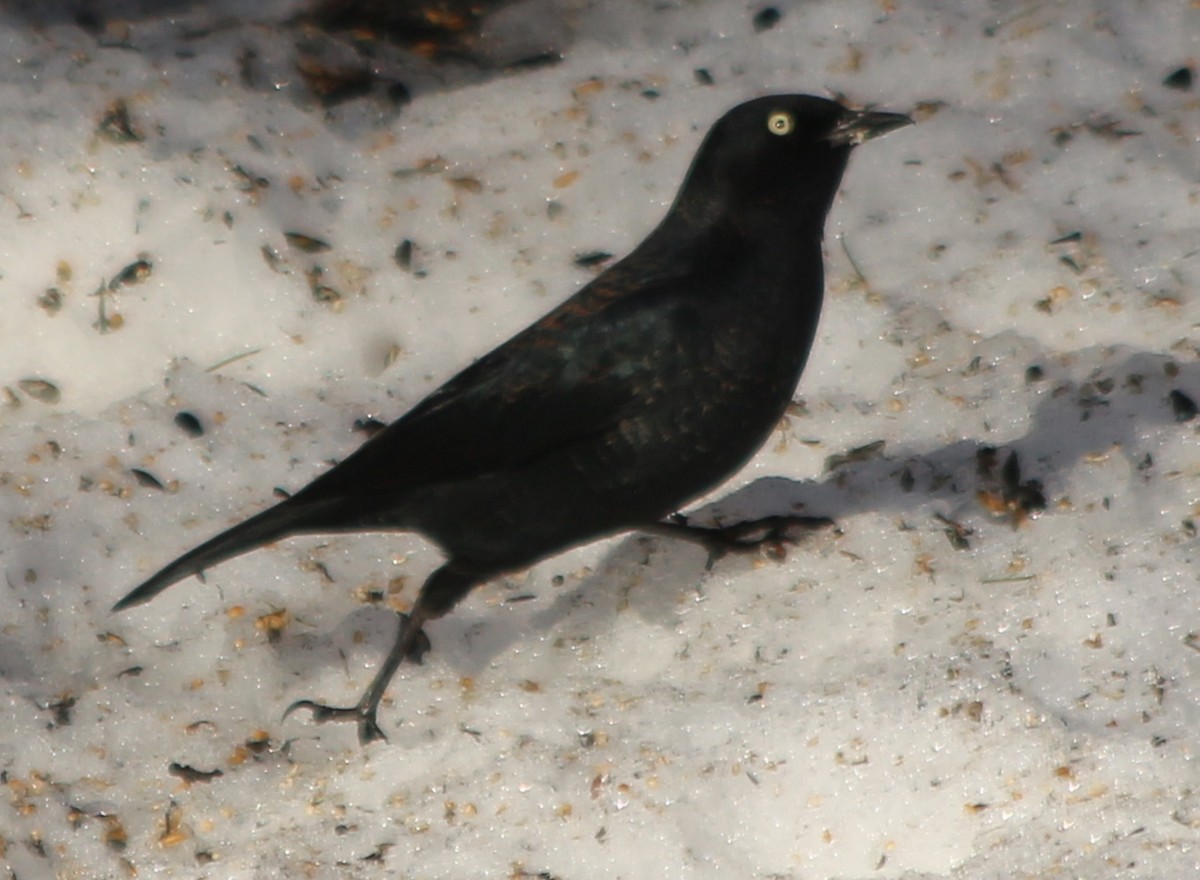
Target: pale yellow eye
[(781, 122)]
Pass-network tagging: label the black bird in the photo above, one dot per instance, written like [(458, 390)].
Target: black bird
[(645, 389)]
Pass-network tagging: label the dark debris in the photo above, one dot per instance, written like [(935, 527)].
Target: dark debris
[(1182, 406), (766, 18), (189, 423), (1180, 79)]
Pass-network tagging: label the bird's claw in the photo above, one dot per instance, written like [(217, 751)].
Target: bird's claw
[(368, 726), (411, 644)]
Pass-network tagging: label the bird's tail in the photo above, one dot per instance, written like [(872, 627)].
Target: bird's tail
[(284, 519)]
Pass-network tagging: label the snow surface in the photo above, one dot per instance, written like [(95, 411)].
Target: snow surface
[(1017, 271)]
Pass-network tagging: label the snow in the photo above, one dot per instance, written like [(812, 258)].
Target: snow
[(1015, 272)]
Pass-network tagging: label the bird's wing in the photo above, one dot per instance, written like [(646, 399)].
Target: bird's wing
[(572, 375)]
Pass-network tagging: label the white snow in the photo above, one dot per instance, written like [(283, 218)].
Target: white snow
[(880, 704)]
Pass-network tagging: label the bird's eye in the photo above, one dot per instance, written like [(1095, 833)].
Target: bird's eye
[(781, 122)]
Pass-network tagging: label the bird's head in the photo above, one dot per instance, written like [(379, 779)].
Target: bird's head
[(777, 159)]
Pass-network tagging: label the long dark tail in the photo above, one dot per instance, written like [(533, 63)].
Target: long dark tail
[(284, 519)]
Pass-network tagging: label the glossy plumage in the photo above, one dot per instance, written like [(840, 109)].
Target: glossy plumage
[(644, 390)]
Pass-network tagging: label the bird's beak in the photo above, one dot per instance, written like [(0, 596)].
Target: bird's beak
[(857, 126)]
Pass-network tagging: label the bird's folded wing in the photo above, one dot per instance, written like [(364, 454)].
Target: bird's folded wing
[(569, 377)]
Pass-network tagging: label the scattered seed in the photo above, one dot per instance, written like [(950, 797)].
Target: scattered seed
[(956, 532), (273, 260), (767, 18), (51, 300), (319, 567), (40, 389), (1017, 499), (189, 424), (306, 243), (273, 624), (858, 454), (392, 355), (115, 837), (173, 833), (403, 255), (147, 479), (533, 62), (191, 774), (369, 426), (432, 165), (1027, 491), (333, 85), (246, 181), (135, 273), (1179, 79), (1182, 406), (258, 742), (323, 293), (116, 126), (61, 710), (592, 259)]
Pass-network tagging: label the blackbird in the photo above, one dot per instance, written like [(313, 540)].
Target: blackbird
[(648, 387)]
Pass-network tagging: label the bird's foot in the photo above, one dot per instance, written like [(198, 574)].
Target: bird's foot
[(363, 715), (411, 645), (768, 533)]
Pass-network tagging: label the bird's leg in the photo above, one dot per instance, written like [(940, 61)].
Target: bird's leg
[(769, 531), (411, 644), (438, 595)]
